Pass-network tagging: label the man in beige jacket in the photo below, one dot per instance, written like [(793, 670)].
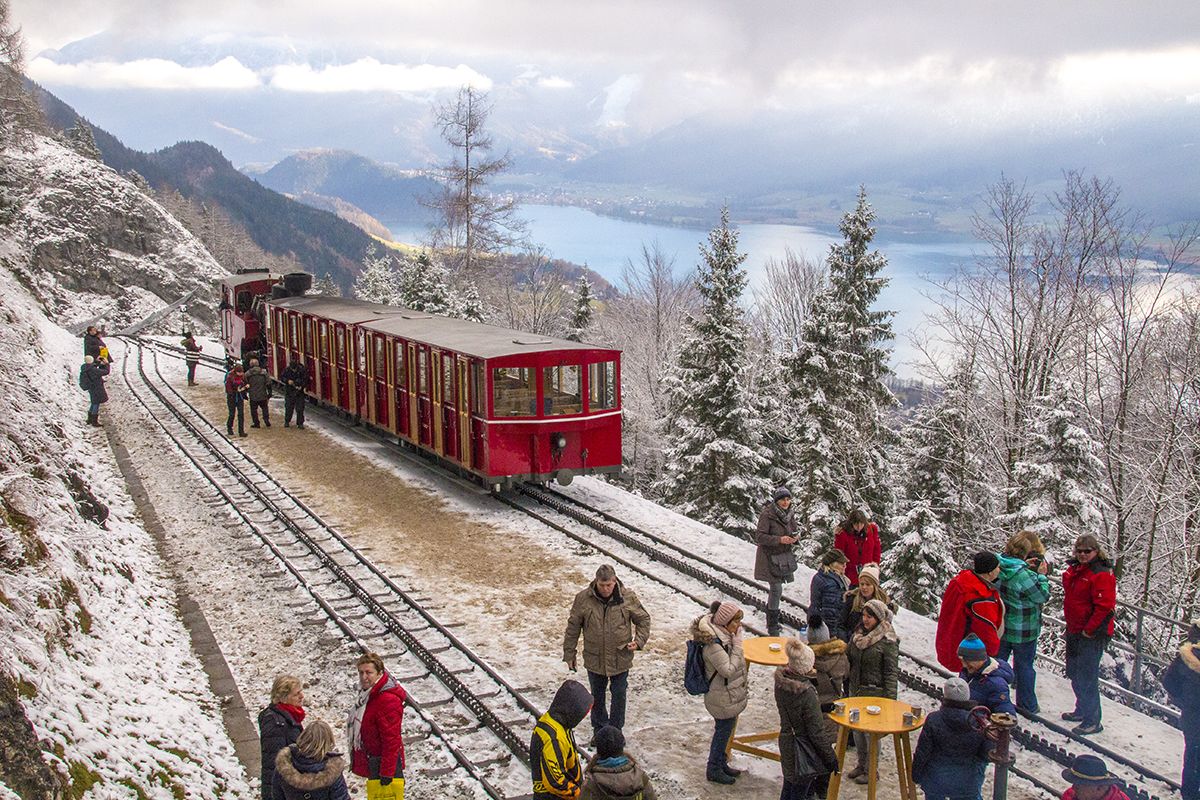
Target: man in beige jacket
[(614, 625)]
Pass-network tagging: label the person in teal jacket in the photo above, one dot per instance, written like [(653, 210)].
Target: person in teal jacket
[(1025, 588)]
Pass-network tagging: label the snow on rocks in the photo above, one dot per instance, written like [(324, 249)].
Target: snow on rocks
[(91, 633)]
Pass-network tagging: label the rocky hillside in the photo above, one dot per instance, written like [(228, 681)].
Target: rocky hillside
[(87, 243)]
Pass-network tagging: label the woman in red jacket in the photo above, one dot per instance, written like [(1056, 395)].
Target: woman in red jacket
[(1089, 601), (859, 540), (374, 727)]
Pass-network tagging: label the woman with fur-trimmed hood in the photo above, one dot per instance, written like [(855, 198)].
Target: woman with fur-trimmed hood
[(309, 769), (800, 716), (720, 633), (832, 663), (1182, 682)]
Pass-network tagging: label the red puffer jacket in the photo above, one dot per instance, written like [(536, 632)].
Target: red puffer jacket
[(381, 732), (1090, 597), (860, 549), (969, 605)]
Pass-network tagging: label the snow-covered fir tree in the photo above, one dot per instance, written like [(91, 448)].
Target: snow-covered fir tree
[(920, 561), (424, 285), (465, 303), (773, 418), (325, 286), (82, 140), (944, 507), (1057, 492), (836, 381), (581, 316), (378, 282), (713, 466)]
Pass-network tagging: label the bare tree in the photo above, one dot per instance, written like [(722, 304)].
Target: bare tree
[(473, 223), (19, 114), (783, 300), (529, 294)]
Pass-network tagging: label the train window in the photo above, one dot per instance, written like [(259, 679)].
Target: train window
[(561, 389), (245, 301), (602, 385), (294, 328), (448, 377), (308, 336), (401, 372), (339, 340), (514, 392), (477, 388), (280, 329), (379, 365), (361, 355), (324, 340), (422, 371)]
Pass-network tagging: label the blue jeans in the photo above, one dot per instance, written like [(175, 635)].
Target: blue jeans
[(1023, 654), (600, 713), (1083, 668), (94, 409), (722, 730)]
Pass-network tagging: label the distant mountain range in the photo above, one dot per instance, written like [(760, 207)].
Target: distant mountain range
[(384, 192), (319, 240)]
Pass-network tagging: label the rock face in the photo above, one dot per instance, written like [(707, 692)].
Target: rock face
[(95, 245), (21, 766)]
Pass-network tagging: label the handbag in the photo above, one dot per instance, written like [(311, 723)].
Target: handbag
[(782, 565), (393, 791), (807, 760)]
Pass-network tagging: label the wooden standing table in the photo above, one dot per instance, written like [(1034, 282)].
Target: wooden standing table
[(888, 722), (758, 651)]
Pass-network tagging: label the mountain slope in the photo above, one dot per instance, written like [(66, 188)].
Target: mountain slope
[(320, 241), (384, 192)]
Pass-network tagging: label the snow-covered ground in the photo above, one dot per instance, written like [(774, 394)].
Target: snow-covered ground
[(509, 581), (91, 633)]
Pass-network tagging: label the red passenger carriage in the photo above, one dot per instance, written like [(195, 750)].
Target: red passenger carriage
[(503, 405)]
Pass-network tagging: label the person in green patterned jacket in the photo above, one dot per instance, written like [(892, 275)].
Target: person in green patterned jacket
[(1025, 588)]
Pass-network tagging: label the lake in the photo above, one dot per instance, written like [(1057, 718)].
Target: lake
[(604, 244)]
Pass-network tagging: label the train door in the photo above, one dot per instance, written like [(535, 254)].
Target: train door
[(359, 364), (277, 336), (310, 349), (293, 338), (479, 413), (324, 362), (463, 410), (379, 377), (340, 346), (449, 410), (424, 399), (400, 382), (435, 401)]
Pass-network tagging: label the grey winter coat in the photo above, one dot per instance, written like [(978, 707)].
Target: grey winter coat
[(607, 626), (800, 715), (832, 665), (259, 381), (723, 660), (617, 778), (874, 662), (773, 523)]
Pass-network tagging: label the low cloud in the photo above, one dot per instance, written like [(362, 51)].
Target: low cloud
[(145, 73), (555, 82), (371, 75), (241, 134)]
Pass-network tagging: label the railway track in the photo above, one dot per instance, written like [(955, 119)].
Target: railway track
[(1039, 735), (477, 715), (695, 575)]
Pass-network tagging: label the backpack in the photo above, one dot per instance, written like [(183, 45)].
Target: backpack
[(695, 677)]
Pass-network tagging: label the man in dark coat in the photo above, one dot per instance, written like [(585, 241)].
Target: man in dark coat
[(235, 399), (91, 380), (774, 561), (553, 758), (951, 754), (191, 356), (258, 382), (92, 343), (295, 379), (1182, 682)]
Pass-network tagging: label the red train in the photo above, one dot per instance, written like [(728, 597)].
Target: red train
[(503, 405)]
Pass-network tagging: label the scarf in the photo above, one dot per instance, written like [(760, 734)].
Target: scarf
[(862, 639), (295, 712), (355, 719)]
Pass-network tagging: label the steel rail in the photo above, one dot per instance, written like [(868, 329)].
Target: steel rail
[(457, 689)]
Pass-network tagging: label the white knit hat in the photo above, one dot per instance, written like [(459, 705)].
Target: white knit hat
[(801, 658)]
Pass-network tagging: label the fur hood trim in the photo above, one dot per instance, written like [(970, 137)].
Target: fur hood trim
[(834, 647), (1189, 656), (704, 632), (335, 765), (791, 682)]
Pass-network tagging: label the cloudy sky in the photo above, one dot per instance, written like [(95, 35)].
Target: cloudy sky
[(657, 62)]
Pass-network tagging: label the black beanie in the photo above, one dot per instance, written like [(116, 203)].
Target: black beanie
[(985, 562), (610, 742), (1194, 633)]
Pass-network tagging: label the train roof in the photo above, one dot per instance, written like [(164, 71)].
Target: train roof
[(239, 278), (459, 335)]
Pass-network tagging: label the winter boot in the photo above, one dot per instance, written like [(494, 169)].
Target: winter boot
[(718, 775), (773, 628)]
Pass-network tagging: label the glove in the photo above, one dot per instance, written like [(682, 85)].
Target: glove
[(384, 781)]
